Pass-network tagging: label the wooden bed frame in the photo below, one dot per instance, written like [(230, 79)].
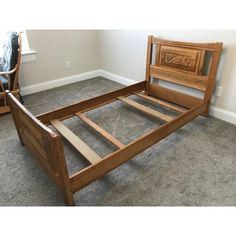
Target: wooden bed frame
[(187, 64)]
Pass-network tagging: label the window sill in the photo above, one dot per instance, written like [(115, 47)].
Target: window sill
[(28, 56)]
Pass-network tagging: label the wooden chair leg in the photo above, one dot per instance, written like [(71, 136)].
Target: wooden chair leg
[(17, 96), (4, 102), (4, 95)]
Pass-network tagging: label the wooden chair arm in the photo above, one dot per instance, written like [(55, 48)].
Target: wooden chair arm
[(8, 72)]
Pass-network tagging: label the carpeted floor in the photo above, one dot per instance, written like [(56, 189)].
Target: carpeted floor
[(195, 166)]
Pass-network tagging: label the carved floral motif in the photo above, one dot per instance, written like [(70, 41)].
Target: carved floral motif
[(178, 59)]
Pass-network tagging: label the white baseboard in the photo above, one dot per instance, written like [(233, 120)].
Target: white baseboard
[(117, 78), (26, 90), (59, 82), (214, 111), (223, 114)]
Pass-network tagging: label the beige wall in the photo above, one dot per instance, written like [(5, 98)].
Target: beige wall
[(123, 52), (54, 48)]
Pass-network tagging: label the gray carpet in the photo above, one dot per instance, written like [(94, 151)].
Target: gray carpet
[(195, 166)]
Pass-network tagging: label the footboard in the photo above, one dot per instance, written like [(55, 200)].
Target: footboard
[(44, 144)]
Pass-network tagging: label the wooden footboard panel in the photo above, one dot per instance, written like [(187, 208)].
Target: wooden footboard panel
[(45, 145)]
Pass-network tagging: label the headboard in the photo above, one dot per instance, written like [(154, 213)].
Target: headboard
[(193, 65)]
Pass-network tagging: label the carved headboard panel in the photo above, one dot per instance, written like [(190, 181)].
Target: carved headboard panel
[(188, 64), (183, 59)]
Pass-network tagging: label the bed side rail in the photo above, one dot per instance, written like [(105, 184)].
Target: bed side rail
[(44, 144), (91, 103)]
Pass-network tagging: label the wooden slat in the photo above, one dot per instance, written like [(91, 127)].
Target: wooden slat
[(145, 109), (173, 96), (177, 77), (91, 173), (82, 147), (161, 102), (101, 131)]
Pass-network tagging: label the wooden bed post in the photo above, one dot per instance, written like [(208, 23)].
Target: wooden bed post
[(148, 61), (16, 121), (212, 75), (68, 194)]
